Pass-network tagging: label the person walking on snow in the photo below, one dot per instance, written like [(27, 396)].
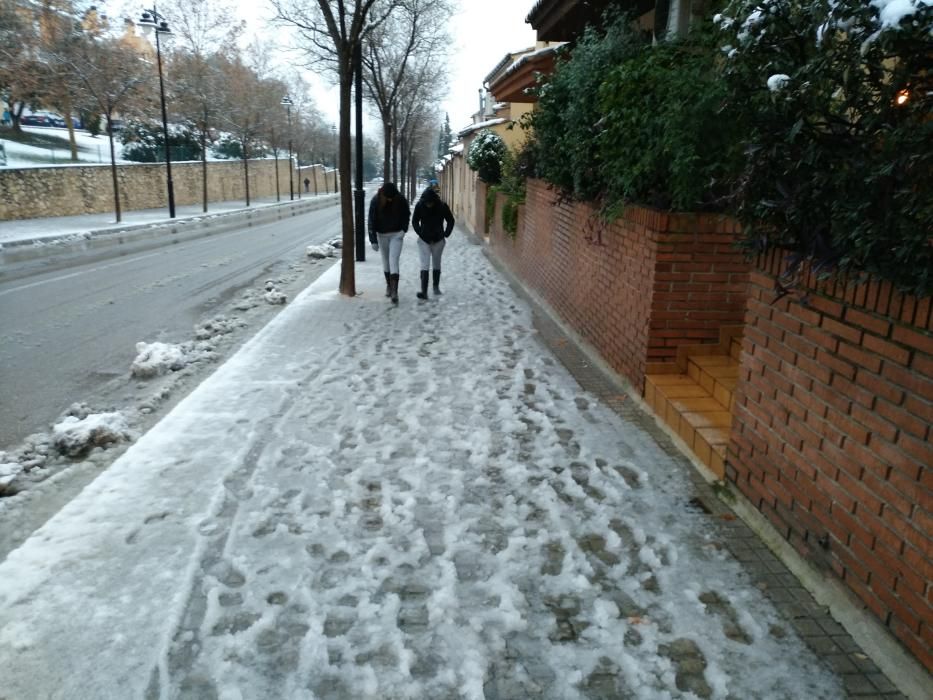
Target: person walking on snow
[(389, 216), (433, 223)]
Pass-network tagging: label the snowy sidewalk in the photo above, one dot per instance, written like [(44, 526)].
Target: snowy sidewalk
[(371, 501)]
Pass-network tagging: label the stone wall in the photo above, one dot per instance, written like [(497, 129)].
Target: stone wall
[(28, 193), (635, 288), (831, 437)]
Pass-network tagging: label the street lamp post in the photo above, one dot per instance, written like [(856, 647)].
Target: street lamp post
[(333, 128), (287, 101), (151, 18)]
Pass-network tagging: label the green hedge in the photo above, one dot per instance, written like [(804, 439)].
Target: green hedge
[(837, 172), (786, 115)]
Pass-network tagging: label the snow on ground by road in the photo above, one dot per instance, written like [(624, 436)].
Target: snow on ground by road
[(379, 502), (91, 149)]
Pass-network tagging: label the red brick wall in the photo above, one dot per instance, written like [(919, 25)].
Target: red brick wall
[(831, 437), (636, 288)]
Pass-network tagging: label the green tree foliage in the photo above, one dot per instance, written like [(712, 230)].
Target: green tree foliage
[(485, 156), (664, 138), (569, 116), (444, 136), (144, 142), (840, 150)]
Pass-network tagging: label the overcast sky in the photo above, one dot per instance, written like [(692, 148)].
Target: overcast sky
[(483, 30)]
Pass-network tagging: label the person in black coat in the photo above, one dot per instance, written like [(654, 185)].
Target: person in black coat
[(433, 223), (389, 216)]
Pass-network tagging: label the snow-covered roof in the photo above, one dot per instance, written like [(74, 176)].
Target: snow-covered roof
[(531, 55), (480, 125), (457, 149), (515, 59)]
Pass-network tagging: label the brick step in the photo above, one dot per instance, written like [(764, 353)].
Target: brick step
[(735, 348), (697, 405), (717, 374)]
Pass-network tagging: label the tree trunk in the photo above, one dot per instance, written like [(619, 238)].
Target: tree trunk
[(412, 172), (113, 171), (387, 149), (204, 167), (402, 182), (278, 197), (347, 259), (69, 122), (246, 171)]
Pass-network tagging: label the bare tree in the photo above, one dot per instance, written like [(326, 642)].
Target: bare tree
[(420, 94), (241, 113), (417, 29), (109, 73), (202, 28), (306, 125), (275, 123), (331, 32), (20, 68)]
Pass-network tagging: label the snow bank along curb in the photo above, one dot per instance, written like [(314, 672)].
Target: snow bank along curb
[(73, 244)]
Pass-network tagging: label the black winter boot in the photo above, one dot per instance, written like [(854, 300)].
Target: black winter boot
[(388, 285), (437, 281), (423, 294), (393, 283)]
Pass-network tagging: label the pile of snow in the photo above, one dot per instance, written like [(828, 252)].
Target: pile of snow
[(155, 359), (221, 325), (8, 471), (75, 436), (76, 433), (319, 252), (274, 296)]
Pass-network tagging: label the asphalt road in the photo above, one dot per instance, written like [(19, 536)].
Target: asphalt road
[(66, 333)]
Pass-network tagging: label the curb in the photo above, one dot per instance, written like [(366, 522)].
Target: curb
[(103, 243)]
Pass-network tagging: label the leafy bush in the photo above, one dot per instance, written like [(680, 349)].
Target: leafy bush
[(227, 147), (569, 116), (839, 166), (90, 120), (665, 141), (517, 166), (144, 142), (485, 156)]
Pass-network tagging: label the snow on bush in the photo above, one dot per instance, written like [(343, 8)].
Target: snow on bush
[(485, 156), (75, 436), (835, 101), (777, 81)]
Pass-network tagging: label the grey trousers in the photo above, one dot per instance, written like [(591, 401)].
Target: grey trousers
[(390, 245), (431, 253)]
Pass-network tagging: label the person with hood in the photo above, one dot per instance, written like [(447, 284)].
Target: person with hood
[(389, 216), (433, 223)]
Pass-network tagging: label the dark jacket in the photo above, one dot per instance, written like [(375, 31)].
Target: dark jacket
[(432, 219), (387, 215)]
